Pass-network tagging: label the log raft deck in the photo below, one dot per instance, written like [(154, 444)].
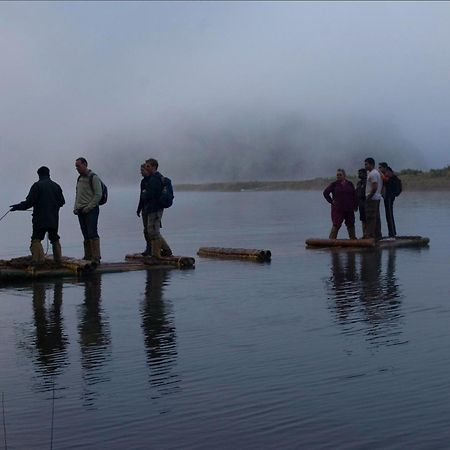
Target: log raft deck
[(19, 268), (235, 253), (399, 241)]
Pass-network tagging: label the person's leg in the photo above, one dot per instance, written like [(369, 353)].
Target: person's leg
[(389, 209), (56, 245), (92, 233), (86, 244), (336, 218), (165, 248), (148, 247), (378, 234), (371, 218), (37, 252), (350, 224), (153, 227)]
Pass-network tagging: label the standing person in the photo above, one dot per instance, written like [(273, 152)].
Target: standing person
[(388, 193), (141, 211), (151, 194), (341, 195), (361, 195), (373, 196), (46, 198), (87, 198)]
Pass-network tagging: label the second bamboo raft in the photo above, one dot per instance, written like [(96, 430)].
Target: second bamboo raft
[(235, 253)]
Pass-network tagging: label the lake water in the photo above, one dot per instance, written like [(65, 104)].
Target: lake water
[(316, 350)]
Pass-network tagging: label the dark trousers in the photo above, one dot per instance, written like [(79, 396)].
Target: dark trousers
[(338, 216), (88, 223), (39, 233), (389, 208), (373, 223)]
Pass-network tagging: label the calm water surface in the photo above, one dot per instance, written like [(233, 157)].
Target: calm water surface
[(318, 349)]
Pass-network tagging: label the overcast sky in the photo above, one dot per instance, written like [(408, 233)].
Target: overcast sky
[(232, 90)]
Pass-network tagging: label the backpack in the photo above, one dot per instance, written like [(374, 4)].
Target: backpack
[(104, 197), (166, 198), (396, 185)]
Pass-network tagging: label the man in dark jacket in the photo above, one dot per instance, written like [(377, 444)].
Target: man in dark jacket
[(150, 194), (141, 212), (46, 198), (388, 194)]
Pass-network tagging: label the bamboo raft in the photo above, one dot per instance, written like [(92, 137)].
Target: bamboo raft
[(17, 269), (398, 241), (235, 253)]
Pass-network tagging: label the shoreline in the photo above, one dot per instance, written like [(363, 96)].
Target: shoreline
[(421, 182)]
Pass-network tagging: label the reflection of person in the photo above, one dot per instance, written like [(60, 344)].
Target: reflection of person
[(341, 195), (343, 274), (361, 195), (46, 199), (159, 330), (151, 193), (387, 175), (94, 334), (88, 195), (369, 296), (50, 340), (373, 196)]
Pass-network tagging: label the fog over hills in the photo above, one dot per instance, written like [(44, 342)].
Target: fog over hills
[(222, 91), (257, 146)]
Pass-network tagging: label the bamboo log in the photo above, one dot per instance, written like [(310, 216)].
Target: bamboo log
[(182, 262), (314, 242), (235, 253), (78, 265)]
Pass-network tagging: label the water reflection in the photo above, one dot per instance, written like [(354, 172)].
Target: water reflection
[(366, 294), (94, 338), (159, 334), (50, 341)]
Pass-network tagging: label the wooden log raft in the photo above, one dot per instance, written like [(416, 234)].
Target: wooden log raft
[(18, 269), (181, 262), (235, 253), (398, 241)]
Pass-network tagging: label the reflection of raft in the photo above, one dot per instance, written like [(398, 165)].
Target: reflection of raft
[(19, 268), (399, 241), (235, 253)]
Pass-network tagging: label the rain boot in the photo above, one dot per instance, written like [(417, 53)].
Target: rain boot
[(87, 250), (37, 252), (95, 248), (351, 232), (156, 248), (334, 232), (165, 249), (57, 252), (148, 250)]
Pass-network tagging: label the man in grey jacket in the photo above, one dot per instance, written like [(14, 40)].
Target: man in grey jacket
[(88, 195)]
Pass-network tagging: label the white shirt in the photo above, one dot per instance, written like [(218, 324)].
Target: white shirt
[(374, 177)]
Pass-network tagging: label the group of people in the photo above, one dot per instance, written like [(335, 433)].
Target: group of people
[(46, 198), (373, 185)]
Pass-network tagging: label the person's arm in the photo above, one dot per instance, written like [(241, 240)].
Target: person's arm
[(373, 189), (97, 187), (141, 202), (327, 193), (29, 202)]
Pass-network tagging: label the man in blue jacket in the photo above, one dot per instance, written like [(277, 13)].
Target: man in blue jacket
[(150, 195), (46, 198)]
